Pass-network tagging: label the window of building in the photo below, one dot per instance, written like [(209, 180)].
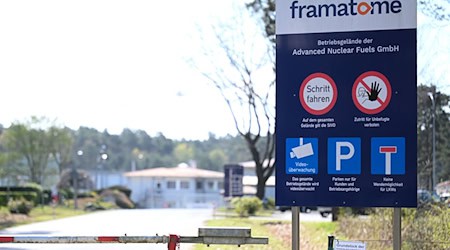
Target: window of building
[(199, 185), (184, 185), (210, 185), (171, 185)]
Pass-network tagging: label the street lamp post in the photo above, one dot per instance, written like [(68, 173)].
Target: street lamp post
[(103, 156), (75, 182), (433, 103)]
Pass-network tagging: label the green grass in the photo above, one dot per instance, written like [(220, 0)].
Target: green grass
[(313, 235), (37, 214), (46, 213), (231, 213), (258, 229), (316, 233)]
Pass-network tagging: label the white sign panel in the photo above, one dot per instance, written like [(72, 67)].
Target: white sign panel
[(316, 16), (349, 245)]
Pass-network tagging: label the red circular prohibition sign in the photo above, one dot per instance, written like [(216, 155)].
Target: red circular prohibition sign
[(308, 80), (364, 81)]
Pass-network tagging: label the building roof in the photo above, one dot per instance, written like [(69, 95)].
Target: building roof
[(253, 181), (251, 164), (180, 172)]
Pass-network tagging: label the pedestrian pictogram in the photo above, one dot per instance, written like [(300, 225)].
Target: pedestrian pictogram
[(388, 155), (318, 93), (371, 92)]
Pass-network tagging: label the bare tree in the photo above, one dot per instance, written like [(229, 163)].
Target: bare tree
[(438, 10), (238, 60), (266, 10)]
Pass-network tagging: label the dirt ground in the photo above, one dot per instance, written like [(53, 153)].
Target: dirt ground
[(7, 220)]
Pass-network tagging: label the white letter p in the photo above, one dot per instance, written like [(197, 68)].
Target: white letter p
[(340, 156)]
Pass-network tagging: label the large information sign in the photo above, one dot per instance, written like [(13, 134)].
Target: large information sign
[(346, 106)]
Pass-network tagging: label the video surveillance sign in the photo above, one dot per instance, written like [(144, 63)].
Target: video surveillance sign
[(346, 103)]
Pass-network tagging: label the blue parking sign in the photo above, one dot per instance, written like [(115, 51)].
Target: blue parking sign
[(344, 155), (388, 155)]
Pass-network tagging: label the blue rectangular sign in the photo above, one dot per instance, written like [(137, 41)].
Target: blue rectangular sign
[(346, 105)]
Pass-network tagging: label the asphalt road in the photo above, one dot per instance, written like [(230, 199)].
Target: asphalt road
[(136, 222)]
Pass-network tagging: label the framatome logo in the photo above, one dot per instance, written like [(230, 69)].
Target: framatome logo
[(350, 8)]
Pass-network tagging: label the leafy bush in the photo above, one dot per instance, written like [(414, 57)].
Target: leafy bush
[(17, 195), (20, 206), (44, 196), (270, 203), (245, 206), (34, 186), (122, 189), (119, 198), (65, 193), (88, 195)]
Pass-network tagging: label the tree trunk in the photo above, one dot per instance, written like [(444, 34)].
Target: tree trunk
[(334, 214), (260, 189)]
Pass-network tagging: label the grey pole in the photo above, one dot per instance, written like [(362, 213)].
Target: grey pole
[(431, 95), (75, 181), (330, 242), (397, 228), (295, 228), (75, 186)]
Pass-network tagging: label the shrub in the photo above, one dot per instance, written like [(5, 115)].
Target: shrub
[(119, 198), (270, 204), (65, 193), (88, 195), (20, 206), (17, 195), (122, 189), (34, 186), (245, 206)]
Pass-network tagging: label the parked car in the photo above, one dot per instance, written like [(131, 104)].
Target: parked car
[(445, 198), (283, 208), (425, 196), (307, 209), (324, 211), (303, 209)]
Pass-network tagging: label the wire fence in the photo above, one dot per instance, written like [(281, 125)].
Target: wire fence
[(424, 228)]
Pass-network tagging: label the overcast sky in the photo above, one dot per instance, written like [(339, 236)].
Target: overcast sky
[(108, 64), (115, 64)]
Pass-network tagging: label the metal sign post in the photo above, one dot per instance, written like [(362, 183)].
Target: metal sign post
[(397, 228), (295, 228)]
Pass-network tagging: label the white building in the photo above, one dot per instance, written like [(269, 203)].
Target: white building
[(250, 180), (176, 187)]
